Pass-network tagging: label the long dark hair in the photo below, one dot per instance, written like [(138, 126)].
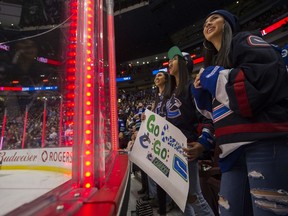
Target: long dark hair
[(167, 90), (183, 76), (212, 56)]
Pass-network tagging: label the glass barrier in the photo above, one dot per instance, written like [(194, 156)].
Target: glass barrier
[(31, 93), (36, 139), (39, 77)]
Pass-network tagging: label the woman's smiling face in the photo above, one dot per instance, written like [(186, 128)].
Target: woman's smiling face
[(213, 27), (160, 79), (173, 66)]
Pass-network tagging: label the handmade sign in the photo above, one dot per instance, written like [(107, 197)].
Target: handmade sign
[(158, 152)]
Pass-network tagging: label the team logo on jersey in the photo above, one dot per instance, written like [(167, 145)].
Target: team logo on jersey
[(256, 41), (284, 53), (172, 107)]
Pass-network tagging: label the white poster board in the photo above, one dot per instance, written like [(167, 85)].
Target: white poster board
[(158, 152)]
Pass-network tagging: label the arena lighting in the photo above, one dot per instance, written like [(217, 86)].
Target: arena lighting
[(198, 60), (275, 26), (48, 61), (165, 63), (60, 120), (123, 79), (43, 125), (85, 74), (68, 101), (4, 47), (28, 89), (39, 59), (154, 72), (25, 127), (3, 128), (112, 75)]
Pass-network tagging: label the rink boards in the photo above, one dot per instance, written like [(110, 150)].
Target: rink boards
[(26, 174)]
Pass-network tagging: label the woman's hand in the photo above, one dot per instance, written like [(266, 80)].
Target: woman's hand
[(193, 150), (197, 83)]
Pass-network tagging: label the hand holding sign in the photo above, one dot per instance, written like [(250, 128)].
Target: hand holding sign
[(193, 151)]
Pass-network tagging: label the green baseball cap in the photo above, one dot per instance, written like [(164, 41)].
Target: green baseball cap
[(174, 51)]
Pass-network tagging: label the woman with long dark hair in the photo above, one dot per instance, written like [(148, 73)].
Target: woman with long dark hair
[(163, 92), (244, 88), (164, 88), (163, 84), (182, 113)]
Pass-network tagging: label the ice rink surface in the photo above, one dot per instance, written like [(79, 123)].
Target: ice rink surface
[(18, 187)]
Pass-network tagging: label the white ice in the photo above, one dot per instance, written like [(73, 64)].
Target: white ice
[(18, 187)]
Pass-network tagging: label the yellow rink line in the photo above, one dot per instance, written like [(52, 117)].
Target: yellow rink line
[(42, 168)]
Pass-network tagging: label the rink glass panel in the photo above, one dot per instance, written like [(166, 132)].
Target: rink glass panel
[(31, 91), (36, 107)]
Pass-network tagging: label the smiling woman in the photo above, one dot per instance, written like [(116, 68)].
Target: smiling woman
[(182, 113), (239, 79)]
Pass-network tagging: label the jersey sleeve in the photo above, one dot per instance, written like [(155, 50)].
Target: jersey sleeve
[(256, 76), (207, 137), (205, 127), (203, 101)]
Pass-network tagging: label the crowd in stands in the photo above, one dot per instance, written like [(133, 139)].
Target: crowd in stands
[(15, 118), (129, 113), (130, 108), (132, 70)]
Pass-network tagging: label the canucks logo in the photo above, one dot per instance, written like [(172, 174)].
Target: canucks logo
[(172, 107), (145, 140), (180, 167)]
